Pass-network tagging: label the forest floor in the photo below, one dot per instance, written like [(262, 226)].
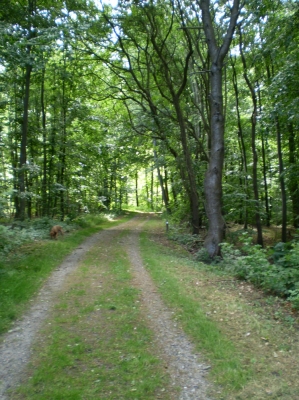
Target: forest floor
[(263, 330)]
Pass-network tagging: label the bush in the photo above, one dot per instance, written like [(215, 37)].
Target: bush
[(43, 223), (294, 298), (278, 274), (191, 242), (203, 256), (83, 221), (14, 236), (11, 238)]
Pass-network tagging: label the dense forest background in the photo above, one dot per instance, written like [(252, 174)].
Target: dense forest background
[(184, 106)]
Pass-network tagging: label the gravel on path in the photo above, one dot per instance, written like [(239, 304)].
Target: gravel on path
[(184, 366)]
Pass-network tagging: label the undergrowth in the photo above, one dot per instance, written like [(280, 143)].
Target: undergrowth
[(13, 236), (274, 269), (254, 355)]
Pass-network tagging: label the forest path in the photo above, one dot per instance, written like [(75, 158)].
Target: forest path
[(184, 366)]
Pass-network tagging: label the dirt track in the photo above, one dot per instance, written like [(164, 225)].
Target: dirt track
[(185, 368)]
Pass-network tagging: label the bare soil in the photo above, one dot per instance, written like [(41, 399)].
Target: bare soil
[(185, 367)]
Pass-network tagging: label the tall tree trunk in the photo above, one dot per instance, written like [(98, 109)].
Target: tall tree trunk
[(24, 135), (146, 188), (44, 195), (152, 188), (241, 145), (62, 167), (166, 188), (268, 213), (52, 197), (213, 178), (136, 189), (62, 157), (265, 167), (293, 180), (282, 184), (160, 178), (253, 145), (14, 145), (192, 187)]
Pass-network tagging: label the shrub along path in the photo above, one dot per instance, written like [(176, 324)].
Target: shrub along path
[(127, 315)]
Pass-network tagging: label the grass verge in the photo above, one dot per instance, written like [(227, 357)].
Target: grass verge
[(21, 276), (96, 345), (252, 354), (169, 273)]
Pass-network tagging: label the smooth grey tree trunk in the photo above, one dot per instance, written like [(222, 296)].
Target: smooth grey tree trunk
[(213, 179)]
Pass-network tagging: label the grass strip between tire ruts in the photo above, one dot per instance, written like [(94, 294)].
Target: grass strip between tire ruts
[(97, 345)]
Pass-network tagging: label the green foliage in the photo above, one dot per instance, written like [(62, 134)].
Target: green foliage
[(81, 222), (281, 252), (13, 237), (87, 154), (277, 273), (180, 213), (202, 255), (294, 297), (190, 242), (94, 220), (43, 223)]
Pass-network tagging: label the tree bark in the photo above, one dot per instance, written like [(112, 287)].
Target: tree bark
[(163, 189), (23, 151), (136, 189), (265, 167), (213, 178), (192, 188), (282, 184), (293, 180), (253, 145), (242, 148), (152, 189), (45, 205), (20, 214)]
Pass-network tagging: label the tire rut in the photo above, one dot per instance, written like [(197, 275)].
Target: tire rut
[(186, 369), (184, 365), (15, 349)]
